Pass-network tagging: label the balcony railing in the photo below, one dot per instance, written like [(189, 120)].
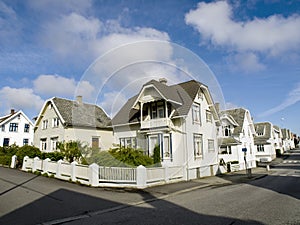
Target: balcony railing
[(159, 122)]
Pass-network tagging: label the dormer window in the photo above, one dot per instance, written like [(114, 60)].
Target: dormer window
[(227, 131)]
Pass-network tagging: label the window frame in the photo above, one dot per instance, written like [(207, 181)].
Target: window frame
[(197, 144), (13, 127), (26, 127), (196, 113)]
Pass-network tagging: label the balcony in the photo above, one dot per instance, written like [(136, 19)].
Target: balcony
[(155, 123)]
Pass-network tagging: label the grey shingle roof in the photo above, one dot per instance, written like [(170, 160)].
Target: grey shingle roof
[(183, 93), (265, 129), (228, 141), (81, 114)]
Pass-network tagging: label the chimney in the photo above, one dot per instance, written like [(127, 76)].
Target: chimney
[(163, 81), (12, 111), (79, 99)]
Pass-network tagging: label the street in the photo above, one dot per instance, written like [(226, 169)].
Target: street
[(273, 199)]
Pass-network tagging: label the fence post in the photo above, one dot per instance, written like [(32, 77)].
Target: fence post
[(141, 177), (167, 177), (94, 175), (73, 171), (35, 162), (58, 169), (46, 165), (24, 162), (13, 161)]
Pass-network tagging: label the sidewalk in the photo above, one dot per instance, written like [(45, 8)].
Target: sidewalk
[(219, 180)]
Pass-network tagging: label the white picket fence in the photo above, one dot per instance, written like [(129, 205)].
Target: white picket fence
[(98, 176)]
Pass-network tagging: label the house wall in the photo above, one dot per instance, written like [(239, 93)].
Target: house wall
[(17, 137), (206, 165)]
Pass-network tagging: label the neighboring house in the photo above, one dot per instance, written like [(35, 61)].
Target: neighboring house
[(236, 139), (66, 120), (16, 128), (287, 140), (278, 139), (265, 141), (181, 119)]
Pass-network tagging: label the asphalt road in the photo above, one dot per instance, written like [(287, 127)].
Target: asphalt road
[(273, 199)]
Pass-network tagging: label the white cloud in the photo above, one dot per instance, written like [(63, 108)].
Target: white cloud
[(273, 35), (55, 85), (292, 98), (247, 61), (22, 98)]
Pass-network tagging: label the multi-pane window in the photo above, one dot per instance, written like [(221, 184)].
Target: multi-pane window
[(54, 141), (44, 144), (227, 131), (3, 128), (25, 141), (26, 128), (45, 124), (198, 147), (260, 148), (196, 113), (13, 127), (226, 150), (6, 142), (211, 145), (208, 116), (55, 122), (128, 142)]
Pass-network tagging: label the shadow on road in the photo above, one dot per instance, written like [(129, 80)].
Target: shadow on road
[(92, 210)]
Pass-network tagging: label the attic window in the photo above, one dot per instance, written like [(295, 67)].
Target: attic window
[(227, 131), (200, 95)]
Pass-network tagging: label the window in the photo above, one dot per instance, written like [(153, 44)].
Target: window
[(95, 142), (25, 141), (211, 145), (153, 111), (160, 109), (13, 127), (3, 128), (167, 146), (198, 145), (54, 141), (45, 124), (6, 142), (196, 113), (43, 144), (208, 116), (227, 131), (226, 150), (55, 122), (26, 128), (152, 142), (128, 142), (260, 148)]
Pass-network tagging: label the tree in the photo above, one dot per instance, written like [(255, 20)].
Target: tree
[(156, 154), (70, 150)]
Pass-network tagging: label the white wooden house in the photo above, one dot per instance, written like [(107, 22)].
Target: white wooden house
[(67, 120), (16, 128), (265, 141), (181, 119), (236, 140)]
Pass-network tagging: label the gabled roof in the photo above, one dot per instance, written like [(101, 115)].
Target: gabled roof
[(74, 113), (265, 129), (238, 115), (181, 96), (228, 141), (7, 118)]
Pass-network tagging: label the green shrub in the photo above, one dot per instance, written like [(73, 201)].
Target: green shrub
[(5, 160), (156, 154), (53, 156), (27, 150), (131, 157)]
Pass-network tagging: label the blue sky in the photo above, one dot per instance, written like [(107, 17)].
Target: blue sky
[(252, 47)]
